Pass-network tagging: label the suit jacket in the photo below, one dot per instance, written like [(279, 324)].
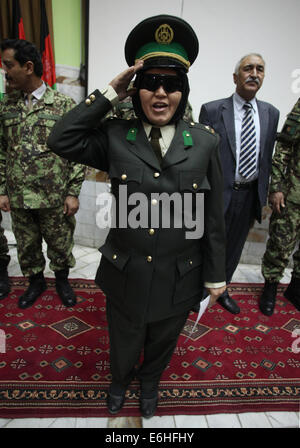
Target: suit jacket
[(150, 274), (219, 115)]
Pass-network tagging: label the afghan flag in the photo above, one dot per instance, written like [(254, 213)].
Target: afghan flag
[(18, 26), (46, 50)]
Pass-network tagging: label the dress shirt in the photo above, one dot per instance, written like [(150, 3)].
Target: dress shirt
[(36, 94), (239, 112)]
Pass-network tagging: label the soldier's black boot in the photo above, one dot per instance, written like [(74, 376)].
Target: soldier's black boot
[(4, 284), (292, 292), (268, 298), (64, 289), (37, 285)]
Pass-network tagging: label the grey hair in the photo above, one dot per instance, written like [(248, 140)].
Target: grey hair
[(237, 67)]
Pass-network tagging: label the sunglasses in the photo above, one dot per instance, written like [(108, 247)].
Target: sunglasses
[(170, 83)]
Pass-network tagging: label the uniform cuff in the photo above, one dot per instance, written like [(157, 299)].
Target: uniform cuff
[(214, 285), (111, 95)]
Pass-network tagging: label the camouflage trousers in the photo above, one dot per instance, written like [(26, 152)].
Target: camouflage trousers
[(284, 237), (4, 255), (30, 227)]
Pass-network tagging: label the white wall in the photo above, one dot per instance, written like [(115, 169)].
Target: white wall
[(226, 29)]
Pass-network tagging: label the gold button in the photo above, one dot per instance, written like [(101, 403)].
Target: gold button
[(151, 232), (88, 102), (149, 259), (191, 262), (115, 257), (195, 186), (124, 176), (92, 98), (156, 175), (154, 202)]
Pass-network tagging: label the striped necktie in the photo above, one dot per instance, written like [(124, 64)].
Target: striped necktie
[(247, 164), (155, 135)]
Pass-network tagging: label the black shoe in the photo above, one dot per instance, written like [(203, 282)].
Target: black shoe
[(37, 285), (148, 406), (228, 303), (64, 289), (4, 285), (115, 402), (268, 298), (292, 292)]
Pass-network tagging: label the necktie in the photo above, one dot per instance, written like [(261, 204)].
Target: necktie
[(247, 164), (29, 99), (155, 135)]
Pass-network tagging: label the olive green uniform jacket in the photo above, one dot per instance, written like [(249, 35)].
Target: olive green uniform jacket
[(150, 274)]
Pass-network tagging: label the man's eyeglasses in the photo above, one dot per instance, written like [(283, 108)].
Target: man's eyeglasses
[(170, 83)]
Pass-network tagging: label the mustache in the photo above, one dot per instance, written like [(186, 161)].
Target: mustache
[(253, 79)]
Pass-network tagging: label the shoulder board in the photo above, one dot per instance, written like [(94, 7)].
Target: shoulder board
[(203, 127)]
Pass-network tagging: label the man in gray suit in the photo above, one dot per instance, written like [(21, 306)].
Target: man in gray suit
[(247, 128)]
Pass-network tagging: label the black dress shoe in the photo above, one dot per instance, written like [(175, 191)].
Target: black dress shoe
[(228, 303), (36, 287), (148, 406), (268, 298), (4, 285), (63, 288), (115, 402)]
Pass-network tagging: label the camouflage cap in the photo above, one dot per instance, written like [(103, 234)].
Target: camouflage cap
[(162, 41)]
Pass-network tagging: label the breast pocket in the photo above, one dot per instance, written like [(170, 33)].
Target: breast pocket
[(125, 172), (12, 127), (193, 181), (42, 129)]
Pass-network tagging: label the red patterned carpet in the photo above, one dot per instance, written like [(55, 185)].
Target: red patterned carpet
[(55, 361)]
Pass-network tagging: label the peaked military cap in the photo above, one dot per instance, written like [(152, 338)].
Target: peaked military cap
[(162, 41)]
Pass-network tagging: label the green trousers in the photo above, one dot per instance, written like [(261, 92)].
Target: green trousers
[(30, 227), (284, 237)]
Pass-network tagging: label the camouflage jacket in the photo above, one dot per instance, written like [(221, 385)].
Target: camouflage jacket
[(286, 160), (30, 173)]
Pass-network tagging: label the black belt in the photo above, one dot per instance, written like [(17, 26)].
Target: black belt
[(243, 185)]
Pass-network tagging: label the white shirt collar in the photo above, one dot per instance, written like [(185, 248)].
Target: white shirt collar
[(39, 92), (239, 102)]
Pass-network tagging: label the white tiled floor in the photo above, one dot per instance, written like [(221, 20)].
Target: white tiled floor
[(87, 263)]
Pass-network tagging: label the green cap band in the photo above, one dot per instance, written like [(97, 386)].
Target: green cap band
[(172, 50)]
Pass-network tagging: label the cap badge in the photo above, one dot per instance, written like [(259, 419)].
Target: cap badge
[(164, 34)]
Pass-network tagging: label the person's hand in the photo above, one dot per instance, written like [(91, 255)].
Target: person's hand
[(121, 82), (215, 294), (277, 201), (4, 203), (71, 205)]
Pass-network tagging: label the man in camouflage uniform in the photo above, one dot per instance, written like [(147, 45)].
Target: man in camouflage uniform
[(285, 220), (39, 188)]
